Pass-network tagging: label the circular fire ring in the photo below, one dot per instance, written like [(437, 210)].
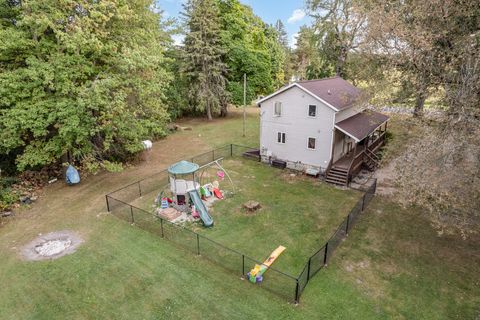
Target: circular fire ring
[(52, 245)]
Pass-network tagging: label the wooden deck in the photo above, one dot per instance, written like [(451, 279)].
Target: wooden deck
[(342, 170), (344, 162)]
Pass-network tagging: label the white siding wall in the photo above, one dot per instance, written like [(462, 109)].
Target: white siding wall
[(347, 113), (339, 140), (298, 127)]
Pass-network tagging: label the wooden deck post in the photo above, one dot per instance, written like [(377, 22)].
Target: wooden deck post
[(333, 144)]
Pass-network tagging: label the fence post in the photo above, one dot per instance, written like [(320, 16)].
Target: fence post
[(231, 149), (363, 201), (243, 265), (326, 254), (348, 223), (108, 204), (131, 213), (198, 244), (308, 270), (213, 155), (297, 293), (161, 226), (139, 189)]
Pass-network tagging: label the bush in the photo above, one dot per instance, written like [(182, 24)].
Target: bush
[(7, 196)]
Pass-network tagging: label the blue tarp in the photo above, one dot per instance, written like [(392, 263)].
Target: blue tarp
[(72, 176)]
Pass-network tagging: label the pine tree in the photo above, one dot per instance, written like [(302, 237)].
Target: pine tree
[(282, 33), (203, 65)]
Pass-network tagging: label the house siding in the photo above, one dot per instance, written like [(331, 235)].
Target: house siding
[(347, 113), (298, 127)]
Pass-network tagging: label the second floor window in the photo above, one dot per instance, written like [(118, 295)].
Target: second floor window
[(312, 110), (278, 109)]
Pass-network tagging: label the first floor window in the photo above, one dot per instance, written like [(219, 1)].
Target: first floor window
[(311, 143), (281, 137)]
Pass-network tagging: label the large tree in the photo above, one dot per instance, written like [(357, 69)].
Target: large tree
[(282, 35), (420, 39), (308, 60), (338, 25), (79, 78), (282, 39), (251, 47), (437, 44), (203, 64)]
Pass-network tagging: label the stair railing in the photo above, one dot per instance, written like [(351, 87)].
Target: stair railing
[(355, 161)]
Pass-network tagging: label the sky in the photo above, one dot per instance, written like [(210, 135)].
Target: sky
[(291, 12)]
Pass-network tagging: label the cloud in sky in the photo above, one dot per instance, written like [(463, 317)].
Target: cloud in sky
[(297, 15)]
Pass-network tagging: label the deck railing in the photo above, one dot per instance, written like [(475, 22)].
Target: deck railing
[(377, 143), (355, 164), (369, 152)]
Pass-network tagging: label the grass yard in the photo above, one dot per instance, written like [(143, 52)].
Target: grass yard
[(392, 266), (298, 212)]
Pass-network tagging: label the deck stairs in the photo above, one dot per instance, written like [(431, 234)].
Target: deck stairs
[(337, 175), (370, 160)]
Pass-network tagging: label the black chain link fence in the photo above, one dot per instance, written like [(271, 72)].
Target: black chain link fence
[(276, 281), (321, 258)]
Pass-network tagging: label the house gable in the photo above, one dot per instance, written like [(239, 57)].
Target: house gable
[(297, 125), (290, 86)]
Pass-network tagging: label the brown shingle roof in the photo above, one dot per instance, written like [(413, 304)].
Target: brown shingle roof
[(336, 91), (362, 124)]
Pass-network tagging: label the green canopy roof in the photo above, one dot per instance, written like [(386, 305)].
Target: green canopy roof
[(183, 167)]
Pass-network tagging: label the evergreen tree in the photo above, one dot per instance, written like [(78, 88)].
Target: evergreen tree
[(203, 64), (282, 39), (282, 33)]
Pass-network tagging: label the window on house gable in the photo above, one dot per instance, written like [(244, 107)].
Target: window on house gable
[(311, 143), (278, 109), (281, 137), (312, 110)]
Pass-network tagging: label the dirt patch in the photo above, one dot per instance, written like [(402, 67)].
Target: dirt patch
[(52, 246), (366, 277), (386, 179), (291, 177)]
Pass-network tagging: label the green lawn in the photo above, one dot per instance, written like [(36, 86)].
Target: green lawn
[(298, 212), (392, 265)]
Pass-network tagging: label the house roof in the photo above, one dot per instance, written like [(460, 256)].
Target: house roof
[(335, 92), (362, 124), (183, 167)]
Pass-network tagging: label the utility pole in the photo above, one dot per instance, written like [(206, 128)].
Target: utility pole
[(244, 103)]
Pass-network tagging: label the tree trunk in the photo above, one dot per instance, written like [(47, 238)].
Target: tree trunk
[(342, 57), (419, 103), (209, 112), (223, 110), (64, 159), (223, 107)]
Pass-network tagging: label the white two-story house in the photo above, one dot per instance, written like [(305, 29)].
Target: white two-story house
[(321, 126)]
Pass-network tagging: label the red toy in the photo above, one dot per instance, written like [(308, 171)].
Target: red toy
[(217, 193)]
